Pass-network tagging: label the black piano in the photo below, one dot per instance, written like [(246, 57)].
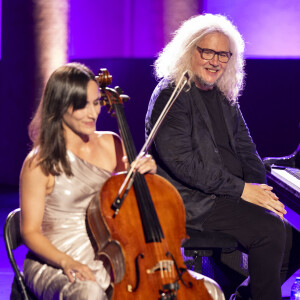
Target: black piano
[(283, 173)]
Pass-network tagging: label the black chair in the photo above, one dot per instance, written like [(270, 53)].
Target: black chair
[(13, 240), (206, 243), (215, 254)]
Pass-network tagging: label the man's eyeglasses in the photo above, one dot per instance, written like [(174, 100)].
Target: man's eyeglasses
[(208, 54)]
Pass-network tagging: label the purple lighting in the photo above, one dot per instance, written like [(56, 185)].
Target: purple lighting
[(269, 27), (141, 29), (115, 28), (0, 24)]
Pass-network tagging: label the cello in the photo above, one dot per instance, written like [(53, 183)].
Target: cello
[(138, 232)]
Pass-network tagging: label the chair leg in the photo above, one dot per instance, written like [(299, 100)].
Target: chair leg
[(195, 261), (16, 293), (198, 264)]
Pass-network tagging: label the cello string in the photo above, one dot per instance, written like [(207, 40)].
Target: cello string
[(150, 222)]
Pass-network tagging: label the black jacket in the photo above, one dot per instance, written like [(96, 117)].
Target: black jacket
[(186, 152)]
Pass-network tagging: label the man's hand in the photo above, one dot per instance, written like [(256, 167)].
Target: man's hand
[(262, 195)]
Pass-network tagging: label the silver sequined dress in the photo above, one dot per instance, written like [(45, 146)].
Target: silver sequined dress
[(64, 224)]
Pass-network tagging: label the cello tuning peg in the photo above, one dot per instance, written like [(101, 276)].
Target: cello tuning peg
[(119, 90), (124, 97)]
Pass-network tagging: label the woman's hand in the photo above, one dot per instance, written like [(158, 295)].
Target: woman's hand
[(74, 269), (146, 164), (262, 195)]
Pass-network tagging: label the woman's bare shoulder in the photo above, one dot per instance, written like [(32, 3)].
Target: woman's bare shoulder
[(32, 160), (32, 173), (111, 143), (31, 165)]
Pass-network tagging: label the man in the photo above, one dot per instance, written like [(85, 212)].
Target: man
[(205, 149)]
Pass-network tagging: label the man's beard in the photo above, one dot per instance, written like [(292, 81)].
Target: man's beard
[(201, 82)]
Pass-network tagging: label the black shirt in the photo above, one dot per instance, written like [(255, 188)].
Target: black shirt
[(214, 107)]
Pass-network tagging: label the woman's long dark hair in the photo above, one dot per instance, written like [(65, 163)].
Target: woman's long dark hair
[(67, 86)]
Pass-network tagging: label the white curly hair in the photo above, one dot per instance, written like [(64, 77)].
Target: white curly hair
[(175, 58)]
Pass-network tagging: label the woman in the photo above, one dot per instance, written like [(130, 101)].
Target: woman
[(66, 168)]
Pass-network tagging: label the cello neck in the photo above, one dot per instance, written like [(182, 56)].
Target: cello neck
[(151, 226), (125, 132)]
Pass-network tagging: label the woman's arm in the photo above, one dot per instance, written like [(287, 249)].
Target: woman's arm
[(34, 186)]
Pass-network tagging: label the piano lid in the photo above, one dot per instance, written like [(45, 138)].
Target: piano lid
[(292, 160)]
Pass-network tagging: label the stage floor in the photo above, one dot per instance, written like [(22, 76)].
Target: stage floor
[(9, 201)]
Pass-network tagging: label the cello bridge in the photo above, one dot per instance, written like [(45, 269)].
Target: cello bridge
[(163, 265)]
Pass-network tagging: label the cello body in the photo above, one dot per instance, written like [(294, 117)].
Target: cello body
[(140, 269)]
